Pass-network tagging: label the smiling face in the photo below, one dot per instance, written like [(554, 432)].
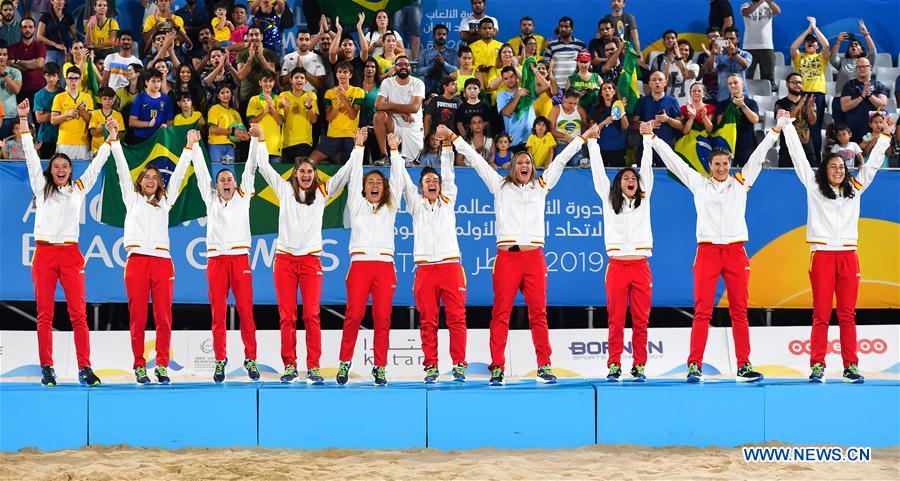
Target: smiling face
[(836, 171), (184, 74), (719, 166), (224, 96), (305, 175), (629, 184), (61, 171), (373, 187), (697, 92), (149, 181), (298, 80), (735, 86), (431, 186), (510, 80), (225, 185), (506, 55), (524, 168), (685, 51)]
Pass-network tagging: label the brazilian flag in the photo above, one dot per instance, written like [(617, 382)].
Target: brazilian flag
[(161, 150), (696, 145), (627, 87), (349, 10), (264, 205)]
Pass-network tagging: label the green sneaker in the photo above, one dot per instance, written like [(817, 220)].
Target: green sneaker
[(162, 375), (496, 376), (852, 375), (817, 374), (48, 376), (314, 378), (431, 375), (746, 373), (545, 374), (615, 373), (87, 377), (695, 373), (343, 374), (379, 375), (252, 369), (290, 373), (140, 375), (637, 372), (219, 374), (459, 372)]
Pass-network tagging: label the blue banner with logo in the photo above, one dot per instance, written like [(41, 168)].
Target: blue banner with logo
[(575, 253)]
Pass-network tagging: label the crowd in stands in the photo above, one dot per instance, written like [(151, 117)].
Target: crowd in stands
[(225, 67)]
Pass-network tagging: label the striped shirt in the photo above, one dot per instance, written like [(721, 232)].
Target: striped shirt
[(564, 55), (118, 67)]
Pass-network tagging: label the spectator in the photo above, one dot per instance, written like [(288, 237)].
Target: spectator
[(164, 21), (720, 14), (371, 83), (803, 111), (79, 58), (409, 21), (186, 114), (431, 152), (56, 29), (474, 134), (10, 84), (501, 154), (728, 60), (659, 108), (697, 115), (193, 18), (624, 25), (399, 111), (563, 49), (151, 109), (596, 45), (526, 29), (163, 51), (126, 95), (345, 51), (612, 137), (12, 146), (876, 128), (309, 61), (758, 16), (670, 44), (35, 8), (506, 57), (186, 83), (708, 74), (223, 74), (515, 104), (386, 61), (101, 31), (43, 108), (540, 143), (10, 28), (441, 109), (530, 50), (685, 69), (846, 66), (301, 111), (471, 26), (381, 25), (267, 110), (116, 64), (569, 120), (267, 16), (97, 122), (91, 9), (861, 96), (472, 106), (222, 27), (466, 69), (342, 106), (545, 89), (324, 46), (28, 56), (164, 68), (485, 49), (252, 63), (811, 66), (897, 96), (847, 149), (612, 66), (585, 82), (199, 58), (437, 61), (238, 34), (70, 112), (747, 117), (225, 127)]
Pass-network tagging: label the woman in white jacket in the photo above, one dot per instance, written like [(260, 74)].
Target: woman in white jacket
[(833, 198), (58, 201), (629, 245), (372, 205), (302, 200), (519, 205), (149, 270), (228, 253)]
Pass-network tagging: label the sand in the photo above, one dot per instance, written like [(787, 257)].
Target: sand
[(594, 462)]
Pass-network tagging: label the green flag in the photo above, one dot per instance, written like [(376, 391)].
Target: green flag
[(627, 88), (161, 150), (93, 84), (264, 205), (349, 10), (695, 146)]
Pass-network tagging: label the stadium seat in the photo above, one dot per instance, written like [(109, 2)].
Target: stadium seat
[(782, 90), (891, 105), (759, 87), (768, 119), (766, 102), (887, 75), (830, 73), (883, 59), (829, 86), (781, 73), (779, 59)]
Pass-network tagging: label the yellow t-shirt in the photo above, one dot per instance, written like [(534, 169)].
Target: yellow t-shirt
[(101, 33), (484, 53), (342, 125), (98, 119), (222, 35), (516, 43), (223, 118), (811, 68), (541, 148), (72, 131), (296, 128), (180, 119), (256, 105), (150, 22), (543, 104), (384, 64), (84, 84)]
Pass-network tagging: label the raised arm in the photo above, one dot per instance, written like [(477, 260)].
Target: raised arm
[(448, 175), (488, 175), (355, 184), (126, 183), (173, 188), (268, 173), (688, 176), (646, 169), (396, 180), (866, 174), (89, 176), (248, 178), (32, 160), (754, 164), (798, 157), (598, 170), (204, 181), (340, 178), (554, 171)]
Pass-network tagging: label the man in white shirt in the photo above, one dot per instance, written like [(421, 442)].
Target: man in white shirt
[(306, 58), (758, 16), (399, 111), (468, 26), (115, 66)]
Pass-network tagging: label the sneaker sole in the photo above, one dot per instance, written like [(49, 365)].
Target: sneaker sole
[(379, 385), (495, 383), (853, 381), (287, 381), (609, 379), (817, 381), (430, 381), (694, 380), (640, 379), (253, 378), (749, 379), (459, 380), (546, 381), (315, 383)]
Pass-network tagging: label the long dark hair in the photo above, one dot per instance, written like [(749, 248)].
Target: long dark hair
[(615, 191), (386, 198), (309, 195), (49, 183), (846, 186)]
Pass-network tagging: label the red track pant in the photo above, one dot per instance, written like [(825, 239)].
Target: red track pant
[(731, 262), (146, 276), (231, 272), (628, 280), (525, 271), (306, 272), (379, 279), (834, 273), (433, 282), (65, 264)]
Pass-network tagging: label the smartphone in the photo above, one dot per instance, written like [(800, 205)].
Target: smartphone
[(722, 43)]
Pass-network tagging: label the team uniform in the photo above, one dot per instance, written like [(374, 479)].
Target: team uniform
[(228, 258), (721, 233), (56, 257), (628, 281), (439, 273), (831, 231), (519, 211), (98, 119), (298, 247), (371, 264), (73, 134), (149, 270)]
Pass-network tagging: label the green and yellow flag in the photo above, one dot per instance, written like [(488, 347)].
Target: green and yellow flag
[(627, 88), (162, 150), (696, 145), (264, 205), (349, 10)]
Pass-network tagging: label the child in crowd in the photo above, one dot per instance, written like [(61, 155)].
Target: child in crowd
[(150, 108), (848, 151), (186, 114), (97, 124), (12, 146), (225, 127), (222, 27), (266, 110), (502, 155), (430, 156), (876, 127), (472, 105), (43, 106), (342, 106), (541, 142), (301, 111), (476, 137)]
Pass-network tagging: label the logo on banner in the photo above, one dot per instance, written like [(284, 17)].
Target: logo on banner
[(207, 345), (863, 346), (600, 349)]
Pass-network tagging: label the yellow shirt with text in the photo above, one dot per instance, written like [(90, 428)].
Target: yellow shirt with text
[(257, 105), (72, 131), (297, 129)]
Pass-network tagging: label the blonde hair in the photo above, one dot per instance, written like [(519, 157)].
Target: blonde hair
[(160, 187)]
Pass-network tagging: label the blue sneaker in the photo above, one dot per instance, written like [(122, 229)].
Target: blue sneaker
[(219, 373), (431, 375), (313, 377), (290, 373), (817, 375), (162, 375), (87, 377), (695, 374), (615, 372), (545, 374), (343, 374), (48, 376), (496, 376), (459, 372), (379, 375), (852, 375), (140, 375), (747, 374), (637, 372), (252, 369)]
